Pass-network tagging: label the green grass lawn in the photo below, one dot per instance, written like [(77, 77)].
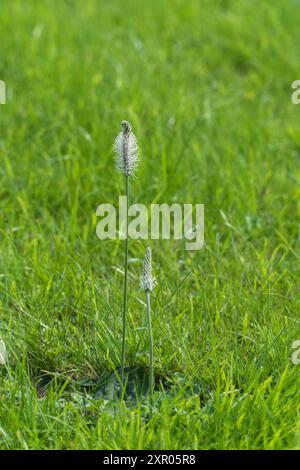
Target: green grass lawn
[(206, 86)]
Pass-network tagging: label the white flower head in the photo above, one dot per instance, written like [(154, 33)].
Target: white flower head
[(148, 282), (2, 352), (126, 150)]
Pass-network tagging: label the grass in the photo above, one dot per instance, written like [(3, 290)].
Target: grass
[(206, 86)]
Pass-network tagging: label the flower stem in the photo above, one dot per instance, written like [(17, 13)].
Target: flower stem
[(151, 374), (125, 280)]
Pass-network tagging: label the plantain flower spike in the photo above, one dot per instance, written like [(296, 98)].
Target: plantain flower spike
[(126, 150), (147, 280)]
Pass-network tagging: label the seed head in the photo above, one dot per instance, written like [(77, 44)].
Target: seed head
[(147, 280), (2, 352), (126, 150)]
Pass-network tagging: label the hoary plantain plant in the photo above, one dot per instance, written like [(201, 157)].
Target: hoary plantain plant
[(148, 284), (126, 157)]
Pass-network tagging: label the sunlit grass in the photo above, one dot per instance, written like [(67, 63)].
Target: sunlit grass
[(206, 86)]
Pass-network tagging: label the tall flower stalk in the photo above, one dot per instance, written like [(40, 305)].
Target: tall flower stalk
[(126, 157), (148, 284)]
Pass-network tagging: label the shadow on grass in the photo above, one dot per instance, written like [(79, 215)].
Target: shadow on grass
[(107, 387)]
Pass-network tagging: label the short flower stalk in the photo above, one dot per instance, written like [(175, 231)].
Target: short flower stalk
[(148, 284)]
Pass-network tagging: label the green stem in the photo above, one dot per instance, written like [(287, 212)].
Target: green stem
[(151, 374), (125, 280)]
